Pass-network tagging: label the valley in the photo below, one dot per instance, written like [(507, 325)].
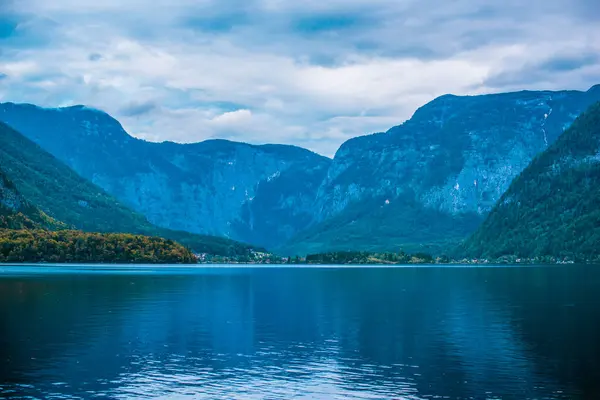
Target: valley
[(423, 186)]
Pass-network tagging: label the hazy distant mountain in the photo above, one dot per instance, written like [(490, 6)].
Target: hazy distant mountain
[(553, 207)]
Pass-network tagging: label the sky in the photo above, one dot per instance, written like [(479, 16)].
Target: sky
[(312, 73)]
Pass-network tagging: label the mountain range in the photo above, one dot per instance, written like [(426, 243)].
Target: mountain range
[(216, 187), (47, 192), (426, 184), (432, 180)]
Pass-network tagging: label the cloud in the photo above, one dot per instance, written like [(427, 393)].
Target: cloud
[(573, 62), (311, 73), (233, 118), (573, 66), (136, 109)]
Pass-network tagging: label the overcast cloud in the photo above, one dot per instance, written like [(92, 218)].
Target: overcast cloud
[(312, 73)]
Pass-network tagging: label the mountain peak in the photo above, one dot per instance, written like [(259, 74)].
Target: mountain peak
[(594, 89), (76, 107), (81, 107)]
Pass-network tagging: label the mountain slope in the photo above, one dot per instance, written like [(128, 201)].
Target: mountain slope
[(553, 207), (60, 191), (373, 225), (17, 213), (214, 187), (62, 194), (433, 179), (26, 235), (282, 206)]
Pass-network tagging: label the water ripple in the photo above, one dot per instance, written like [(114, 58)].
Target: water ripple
[(271, 333)]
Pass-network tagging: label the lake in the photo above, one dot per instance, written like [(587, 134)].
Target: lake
[(306, 333)]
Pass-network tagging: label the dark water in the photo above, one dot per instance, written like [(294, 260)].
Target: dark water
[(283, 333)]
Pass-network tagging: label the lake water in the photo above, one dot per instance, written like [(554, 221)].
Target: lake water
[(306, 333)]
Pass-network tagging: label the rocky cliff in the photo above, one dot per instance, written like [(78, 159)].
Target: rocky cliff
[(552, 209), (434, 178), (37, 186), (259, 194)]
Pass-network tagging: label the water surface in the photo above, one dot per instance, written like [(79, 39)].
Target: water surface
[(306, 333)]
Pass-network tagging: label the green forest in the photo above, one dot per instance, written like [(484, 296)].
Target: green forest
[(69, 246), (27, 234)]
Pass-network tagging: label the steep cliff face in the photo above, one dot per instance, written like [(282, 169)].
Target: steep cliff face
[(552, 207), (436, 176), (38, 189), (214, 187), (458, 154), (283, 204)]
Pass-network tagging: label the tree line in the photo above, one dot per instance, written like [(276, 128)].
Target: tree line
[(68, 246)]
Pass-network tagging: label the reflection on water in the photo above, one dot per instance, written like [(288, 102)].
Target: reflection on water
[(282, 333)]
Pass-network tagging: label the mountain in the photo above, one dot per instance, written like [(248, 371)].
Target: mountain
[(424, 185), (553, 207), (258, 194), (16, 212), (47, 185), (433, 179), (27, 234)]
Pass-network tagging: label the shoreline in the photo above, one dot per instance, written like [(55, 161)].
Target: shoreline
[(132, 266)]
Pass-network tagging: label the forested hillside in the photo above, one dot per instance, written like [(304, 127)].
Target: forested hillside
[(27, 234), (553, 207), (17, 213)]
